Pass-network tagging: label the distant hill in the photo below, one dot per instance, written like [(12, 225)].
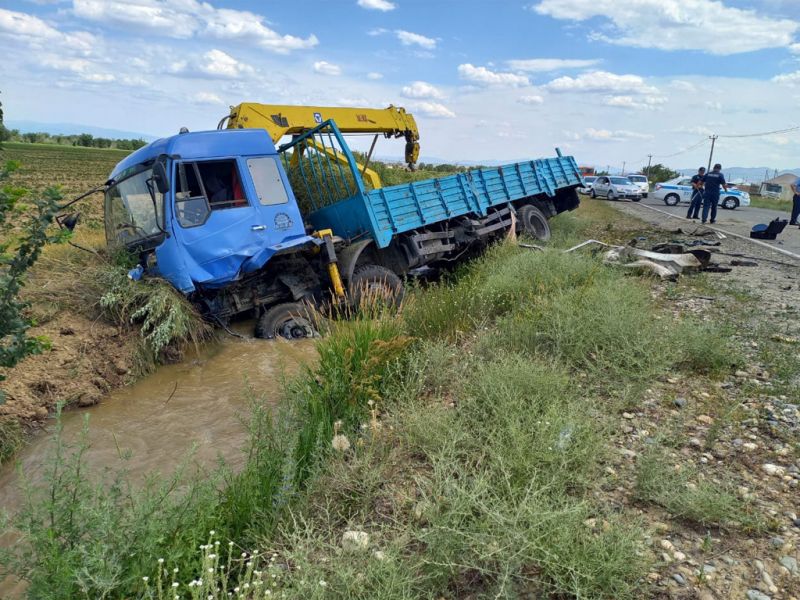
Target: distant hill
[(76, 128)]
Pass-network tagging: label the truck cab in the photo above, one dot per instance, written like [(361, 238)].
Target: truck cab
[(204, 209)]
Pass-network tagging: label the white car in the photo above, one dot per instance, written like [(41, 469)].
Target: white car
[(615, 187), (678, 190), (588, 182), (642, 182)]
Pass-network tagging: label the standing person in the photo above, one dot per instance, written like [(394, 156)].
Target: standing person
[(713, 181), (697, 194), (795, 202)]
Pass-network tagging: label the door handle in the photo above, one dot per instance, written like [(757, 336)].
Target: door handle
[(258, 227)]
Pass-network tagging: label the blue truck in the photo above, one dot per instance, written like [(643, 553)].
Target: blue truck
[(244, 228)]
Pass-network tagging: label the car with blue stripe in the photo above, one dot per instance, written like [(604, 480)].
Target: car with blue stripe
[(678, 190)]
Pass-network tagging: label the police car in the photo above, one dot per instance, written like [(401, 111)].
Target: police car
[(678, 190)]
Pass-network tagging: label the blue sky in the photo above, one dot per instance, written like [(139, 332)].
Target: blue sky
[(609, 81)]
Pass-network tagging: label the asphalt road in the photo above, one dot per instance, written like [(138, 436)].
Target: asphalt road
[(740, 220)]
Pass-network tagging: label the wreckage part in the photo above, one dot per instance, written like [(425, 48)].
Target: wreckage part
[(718, 231)]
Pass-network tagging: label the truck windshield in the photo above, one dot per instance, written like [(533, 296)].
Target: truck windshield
[(129, 213)]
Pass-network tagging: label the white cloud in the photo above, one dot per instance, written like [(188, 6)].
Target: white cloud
[(683, 86), (432, 109), (606, 135), (191, 18), (483, 76), (636, 102), (325, 68), (421, 90), (543, 65), (706, 25), (374, 76), (214, 63), (34, 32), (531, 100), (788, 78), (207, 98), (712, 105), (795, 48), (695, 130), (407, 38), (377, 31), (382, 5), (601, 81)]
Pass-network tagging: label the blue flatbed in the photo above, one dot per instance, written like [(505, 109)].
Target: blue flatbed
[(386, 212)]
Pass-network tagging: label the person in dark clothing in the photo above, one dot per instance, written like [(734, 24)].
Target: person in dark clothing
[(697, 194), (795, 202), (712, 182)]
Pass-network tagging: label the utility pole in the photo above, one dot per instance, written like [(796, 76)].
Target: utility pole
[(649, 160), (608, 169), (623, 167), (713, 139)]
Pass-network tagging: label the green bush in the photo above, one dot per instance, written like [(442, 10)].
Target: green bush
[(165, 316)]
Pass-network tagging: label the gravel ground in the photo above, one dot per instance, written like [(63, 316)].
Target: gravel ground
[(743, 429)]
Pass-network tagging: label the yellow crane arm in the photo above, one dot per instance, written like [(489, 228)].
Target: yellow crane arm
[(280, 120)]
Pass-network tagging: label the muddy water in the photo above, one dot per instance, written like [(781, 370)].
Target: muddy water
[(197, 404)]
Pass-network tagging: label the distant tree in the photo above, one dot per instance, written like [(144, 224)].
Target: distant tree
[(658, 173), (84, 139)]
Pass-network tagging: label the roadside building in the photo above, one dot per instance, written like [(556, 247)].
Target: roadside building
[(779, 187)]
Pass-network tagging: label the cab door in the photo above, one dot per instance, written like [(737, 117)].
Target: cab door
[(217, 222), (273, 198)]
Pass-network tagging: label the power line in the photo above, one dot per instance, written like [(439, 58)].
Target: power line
[(749, 135), (689, 149)]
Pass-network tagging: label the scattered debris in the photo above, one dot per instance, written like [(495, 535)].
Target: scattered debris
[(768, 232), (744, 263), (666, 266)]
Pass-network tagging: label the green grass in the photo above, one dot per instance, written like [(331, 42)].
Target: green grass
[(771, 203), (10, 438), (476, 420), (668, 481)]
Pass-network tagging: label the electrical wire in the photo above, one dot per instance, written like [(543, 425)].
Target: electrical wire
[(764, 133)]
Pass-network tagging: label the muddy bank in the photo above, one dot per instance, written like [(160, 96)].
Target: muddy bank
[(87, 359)]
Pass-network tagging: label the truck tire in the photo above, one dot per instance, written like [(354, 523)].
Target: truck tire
[(290, 321), (533, 222), (373, 283)]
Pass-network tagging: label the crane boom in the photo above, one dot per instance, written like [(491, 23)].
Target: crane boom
[(282, 119)]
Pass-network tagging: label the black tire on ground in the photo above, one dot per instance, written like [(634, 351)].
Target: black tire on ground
[(532, 222), (290, 321), (373, 283), (672, 199), (730, 203), (593, 194)]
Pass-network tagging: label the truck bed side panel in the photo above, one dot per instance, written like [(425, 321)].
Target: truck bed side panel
[(385, 212)]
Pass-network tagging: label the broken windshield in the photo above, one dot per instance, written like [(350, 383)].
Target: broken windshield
[(129, 211)]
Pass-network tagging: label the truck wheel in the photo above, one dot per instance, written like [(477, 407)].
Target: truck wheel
[(291, 321), (533, 222), (373, 283)]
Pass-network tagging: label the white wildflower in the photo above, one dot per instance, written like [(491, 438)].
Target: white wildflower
[(340, 443)]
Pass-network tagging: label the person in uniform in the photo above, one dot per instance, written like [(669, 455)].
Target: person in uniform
[(795, 202), (712, 182), (697, 194)]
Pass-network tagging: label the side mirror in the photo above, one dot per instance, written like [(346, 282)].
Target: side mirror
[(69, 221), (160, 177)]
